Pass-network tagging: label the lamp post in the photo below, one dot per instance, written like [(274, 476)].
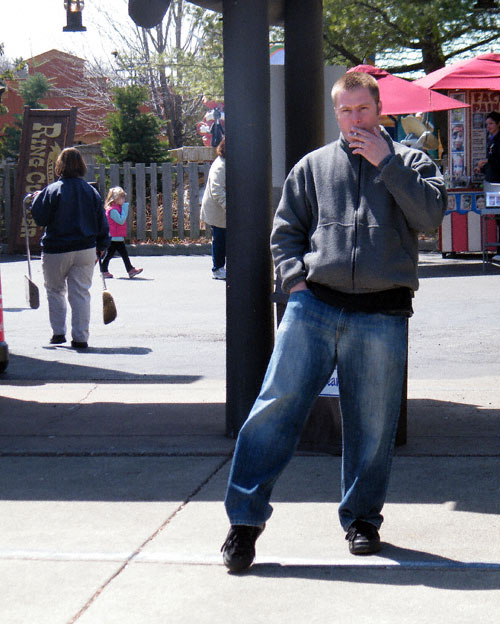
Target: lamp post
[(74, 10), (491, 6)]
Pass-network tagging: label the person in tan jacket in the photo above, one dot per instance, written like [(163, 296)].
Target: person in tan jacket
[(213, 210)]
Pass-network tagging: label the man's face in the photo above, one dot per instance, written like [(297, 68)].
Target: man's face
[(356, 109)]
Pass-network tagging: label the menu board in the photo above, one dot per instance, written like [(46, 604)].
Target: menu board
[(478, 142), (481, 103), (468, 136), (458, 166)]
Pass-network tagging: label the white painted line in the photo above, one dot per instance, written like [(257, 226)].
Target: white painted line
[(49, 555), (216, 559)]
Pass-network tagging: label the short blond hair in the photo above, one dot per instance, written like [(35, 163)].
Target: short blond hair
[(356, 80)]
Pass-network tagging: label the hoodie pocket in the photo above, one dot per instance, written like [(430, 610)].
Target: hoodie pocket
[(330, 258), (381, 260)]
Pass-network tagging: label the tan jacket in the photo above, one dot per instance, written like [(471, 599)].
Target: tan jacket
[(213, 205)]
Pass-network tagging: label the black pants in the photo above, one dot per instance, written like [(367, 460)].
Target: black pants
[(118, 246), (218, 247)]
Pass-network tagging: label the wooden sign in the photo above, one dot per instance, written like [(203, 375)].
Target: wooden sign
[(46, 132)]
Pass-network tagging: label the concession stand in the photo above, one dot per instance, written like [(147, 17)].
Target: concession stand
[(469, 224), (402, 97)]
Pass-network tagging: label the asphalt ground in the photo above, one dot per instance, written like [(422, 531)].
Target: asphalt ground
[(113, 465)]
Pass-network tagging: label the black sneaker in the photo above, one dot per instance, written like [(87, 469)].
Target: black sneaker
[(238, 551), (58, 339), (78, 345), (363, 538)]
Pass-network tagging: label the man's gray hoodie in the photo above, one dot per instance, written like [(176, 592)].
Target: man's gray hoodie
[(353, 227)]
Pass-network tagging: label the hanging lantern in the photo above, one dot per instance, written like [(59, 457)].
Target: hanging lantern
[(147, 13), (74, 10)]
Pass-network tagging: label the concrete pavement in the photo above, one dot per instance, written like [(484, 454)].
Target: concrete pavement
[(113, 467)]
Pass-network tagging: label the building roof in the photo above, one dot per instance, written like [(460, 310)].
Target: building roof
[(50, 55), (70, 85)]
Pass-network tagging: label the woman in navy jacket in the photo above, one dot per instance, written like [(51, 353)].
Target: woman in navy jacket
[(76, 229)]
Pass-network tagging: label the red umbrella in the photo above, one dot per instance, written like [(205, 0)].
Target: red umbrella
[(481, 73), (401, 97)]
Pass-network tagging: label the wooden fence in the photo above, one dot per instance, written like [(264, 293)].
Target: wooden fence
[(164, 198), (7, 186)]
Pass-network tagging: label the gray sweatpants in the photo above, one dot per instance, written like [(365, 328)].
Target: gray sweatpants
[(69, 272)]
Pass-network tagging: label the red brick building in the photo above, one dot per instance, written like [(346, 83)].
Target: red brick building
[(71, 85)]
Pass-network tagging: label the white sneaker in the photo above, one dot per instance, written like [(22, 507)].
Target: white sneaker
[(219, 274)]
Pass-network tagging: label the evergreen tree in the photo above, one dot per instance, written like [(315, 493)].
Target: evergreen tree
[(32, 90), (10, 142), (133, 136)]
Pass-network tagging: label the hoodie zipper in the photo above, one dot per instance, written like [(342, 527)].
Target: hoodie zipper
[(355, 246)]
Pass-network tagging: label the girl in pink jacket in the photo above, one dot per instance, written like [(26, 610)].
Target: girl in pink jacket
[(116, 212)]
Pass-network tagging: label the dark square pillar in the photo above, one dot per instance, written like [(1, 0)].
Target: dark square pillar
[(249, 332)]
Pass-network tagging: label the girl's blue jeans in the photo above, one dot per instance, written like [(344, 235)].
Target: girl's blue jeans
[(313, 337)]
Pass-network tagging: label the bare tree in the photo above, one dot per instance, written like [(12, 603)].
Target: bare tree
[(75, 82), (180, 61)]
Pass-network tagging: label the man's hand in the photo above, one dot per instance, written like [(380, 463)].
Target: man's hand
[(370, 144), (300, 286)]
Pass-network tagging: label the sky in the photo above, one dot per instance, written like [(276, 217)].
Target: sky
[(30, 27)]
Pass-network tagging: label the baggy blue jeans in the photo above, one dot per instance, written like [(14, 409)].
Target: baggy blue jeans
[(370, 353)]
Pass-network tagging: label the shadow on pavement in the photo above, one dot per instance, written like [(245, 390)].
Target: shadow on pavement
[(120, 452), (432, 417), (103, 479), (415, 568), (103, 350), (46, 371), (454, 268), (88, 422), (8, 258)]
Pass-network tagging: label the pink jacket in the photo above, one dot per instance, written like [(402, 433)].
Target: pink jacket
[(117, 222)]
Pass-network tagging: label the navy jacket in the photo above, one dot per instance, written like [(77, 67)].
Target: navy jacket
[(73, 215)]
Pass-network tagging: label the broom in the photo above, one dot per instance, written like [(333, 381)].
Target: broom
[(32, 294), (108, 304)]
